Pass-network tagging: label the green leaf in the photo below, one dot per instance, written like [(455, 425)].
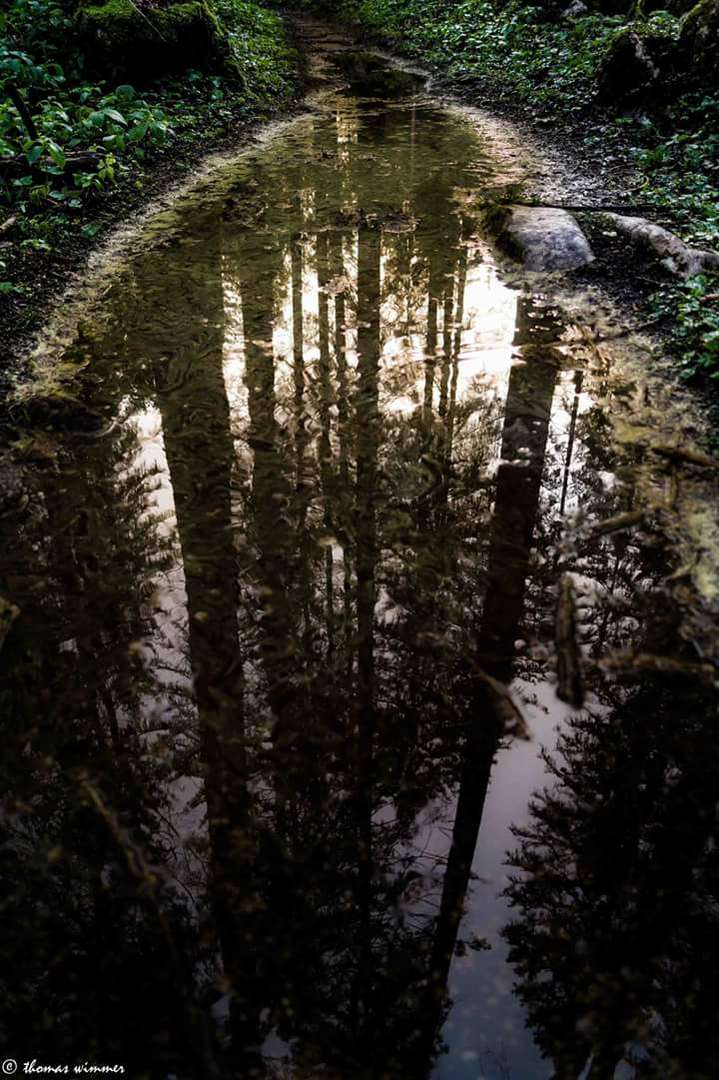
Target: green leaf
[(56, 153), (113, 114), (34, 153)]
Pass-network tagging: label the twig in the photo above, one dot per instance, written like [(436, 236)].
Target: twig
[(149, 22), (17, 99), (8, 224)]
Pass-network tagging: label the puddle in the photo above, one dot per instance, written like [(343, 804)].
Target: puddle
[(269, 810)]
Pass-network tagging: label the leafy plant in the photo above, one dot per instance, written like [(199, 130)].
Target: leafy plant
[(693, 308), (65, 136)]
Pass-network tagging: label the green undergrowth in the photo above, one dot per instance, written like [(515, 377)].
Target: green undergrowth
[(546, 66), (679, 175), (87, 133), (514, 49), (693, 307)]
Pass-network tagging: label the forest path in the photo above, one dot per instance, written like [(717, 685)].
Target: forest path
[(326, 519)]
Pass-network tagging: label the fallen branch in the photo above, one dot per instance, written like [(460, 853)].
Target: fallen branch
[(8, 224), (675, 255), (615, 524), (629, 661), (506, 709), (686, 456), (82, 161)]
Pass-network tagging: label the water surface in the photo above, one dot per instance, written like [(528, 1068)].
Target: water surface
[(269, 811)]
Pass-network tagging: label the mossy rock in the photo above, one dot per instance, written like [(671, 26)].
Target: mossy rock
[(699, 41), (631, 70), (677, 8), (141, 39)]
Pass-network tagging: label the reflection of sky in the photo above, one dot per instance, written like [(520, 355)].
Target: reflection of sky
[(486, 353), (485, 1030), (170, 598)]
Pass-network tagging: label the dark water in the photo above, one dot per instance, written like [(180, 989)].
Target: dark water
[(268, 808)]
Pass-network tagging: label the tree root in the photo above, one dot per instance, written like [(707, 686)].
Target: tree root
[(675, 255)]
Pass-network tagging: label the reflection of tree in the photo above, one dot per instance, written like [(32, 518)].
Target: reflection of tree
[(93, 940), (440, 253), (616, 901), (376, 980), (191, 396), (519, 478), (343, 433), (270, 511), (524, 440), (367, 438), (325, 397)]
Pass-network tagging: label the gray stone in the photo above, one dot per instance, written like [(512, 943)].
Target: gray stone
[(575, 10), (543, 238)]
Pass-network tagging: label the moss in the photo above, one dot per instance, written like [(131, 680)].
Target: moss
[(261, 55), (125, 39), (699, 40), (639, 59)]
